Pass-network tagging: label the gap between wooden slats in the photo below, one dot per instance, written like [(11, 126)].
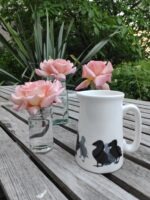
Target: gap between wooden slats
[(128, 121), (128, 125), (144, 115), (8, 89), (2, 196), (73, 95), (70, 169), (20, 177), (144, 109), (134, 191), (72, 126)]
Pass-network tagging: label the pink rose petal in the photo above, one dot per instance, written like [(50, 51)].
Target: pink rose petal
[(48, 101), (87, 72), (83, 85), (101, 80), (41, 73)]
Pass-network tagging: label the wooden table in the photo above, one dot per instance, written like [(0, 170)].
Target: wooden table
[(55, 175)]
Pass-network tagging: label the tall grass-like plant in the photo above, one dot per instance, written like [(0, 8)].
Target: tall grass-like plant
[(46, 44)]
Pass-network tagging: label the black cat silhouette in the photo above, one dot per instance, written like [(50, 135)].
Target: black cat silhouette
[(99, 154), (115, 151), (80, 145)]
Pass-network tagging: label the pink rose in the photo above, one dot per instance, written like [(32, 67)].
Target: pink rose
[(97, 73), (35, 95), (58, 68)]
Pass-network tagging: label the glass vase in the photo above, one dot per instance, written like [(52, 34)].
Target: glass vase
[(60, 110), (40, 131)]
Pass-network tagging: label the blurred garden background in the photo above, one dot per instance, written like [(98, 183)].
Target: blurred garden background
[(78, 30)]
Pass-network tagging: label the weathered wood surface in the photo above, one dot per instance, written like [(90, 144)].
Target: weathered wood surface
[(79, 183), (132, 181), (20, 178)]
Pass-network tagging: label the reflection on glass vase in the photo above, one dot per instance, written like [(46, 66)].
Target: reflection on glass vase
[(60, 111), (40, 131)]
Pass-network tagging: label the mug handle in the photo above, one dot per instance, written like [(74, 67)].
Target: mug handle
[(137, 138)]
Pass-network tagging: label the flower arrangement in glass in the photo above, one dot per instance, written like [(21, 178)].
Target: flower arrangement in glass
[(37, 98), (53, 70)]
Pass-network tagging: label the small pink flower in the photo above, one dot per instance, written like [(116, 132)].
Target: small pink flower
[(35, 95), (97, 73), (58, 68)]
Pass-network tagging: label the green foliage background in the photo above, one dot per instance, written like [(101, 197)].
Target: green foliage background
[(93, 21), (133, 79)]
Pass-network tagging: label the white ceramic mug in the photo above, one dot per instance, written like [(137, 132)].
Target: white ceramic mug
[(100, 144)]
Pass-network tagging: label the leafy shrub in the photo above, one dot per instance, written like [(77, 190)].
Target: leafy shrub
[(133, 79), (9, 64)]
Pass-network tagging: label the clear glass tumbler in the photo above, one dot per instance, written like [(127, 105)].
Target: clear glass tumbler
[(40, 131)]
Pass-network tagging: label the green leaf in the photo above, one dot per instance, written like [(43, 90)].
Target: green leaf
[(60, 39), (14, 35), (66, 38), (52, 39), (98, 47), (32, 75), (11, 50), (38, 37), (49, 50), (8, 74), (24, 72), (2, 82), (95, 50)]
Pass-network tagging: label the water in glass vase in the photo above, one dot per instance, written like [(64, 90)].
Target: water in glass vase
[(40, 131), (60, 110)]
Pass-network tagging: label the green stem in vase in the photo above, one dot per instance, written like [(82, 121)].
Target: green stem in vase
[(92, 86), (45, 125)]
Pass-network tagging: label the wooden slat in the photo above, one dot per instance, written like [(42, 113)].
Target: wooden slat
[(129, 116), (20, 178), (141, 154), (140, 102), (130, 124), (75, 106), (6, 91), (84, 184), (4, 95), (69, 140), (144, 106), (8, 88), (127, 120), (128, 134), (72, 94), (2, 99), (140, 183)]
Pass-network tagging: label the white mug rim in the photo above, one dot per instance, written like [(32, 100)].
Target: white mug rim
[(100, 94)]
